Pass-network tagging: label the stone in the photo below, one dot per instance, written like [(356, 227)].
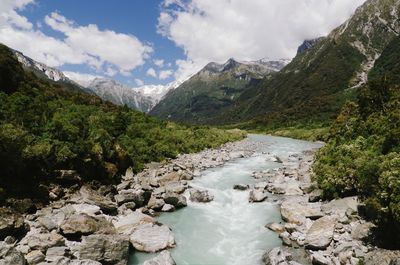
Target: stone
[(11, 223), (92, 197), (175, 187), (340, 206), (295, 212), (257, 196), (86, 209), (318, 258), (47, 223), (53, 254), (83, 224), (261, 185), (285, 236), (177, 200), (107, 249), (164, 258), (34, 257), (362, 231), (68, 176), (168, 208), (125, 224), (152, 237), (277, 256), (240, 187), (9, 255), (382, 257), (43, 241), (315, 195), (155, 204), (82, 262), (320, 235), (200, 196), (278, 228)]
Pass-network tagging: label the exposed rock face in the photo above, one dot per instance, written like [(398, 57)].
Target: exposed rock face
[(164, 258), (320, 234), (108, 249), (152, 237), (201, 196)]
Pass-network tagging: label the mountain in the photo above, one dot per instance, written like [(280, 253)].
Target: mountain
[(48, 73), (157, 92), (213, 89), (315, 85), (119, 94), (308, 44)]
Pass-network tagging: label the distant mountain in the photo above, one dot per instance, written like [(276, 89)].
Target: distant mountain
[(157, 92), (119, 94), (213, 89), (49, 73), (315, 85)]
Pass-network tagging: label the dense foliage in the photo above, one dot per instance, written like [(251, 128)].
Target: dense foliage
[(362, 156), (46, 127)]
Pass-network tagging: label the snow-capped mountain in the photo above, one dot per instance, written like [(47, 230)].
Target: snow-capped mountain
[(157, 92), (120, 94), (49, 72)]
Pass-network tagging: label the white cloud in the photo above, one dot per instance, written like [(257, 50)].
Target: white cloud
[(210, 30), (139, 82), (82, 79), (151, 72), (164, 74), (106, 51), (158, 62)]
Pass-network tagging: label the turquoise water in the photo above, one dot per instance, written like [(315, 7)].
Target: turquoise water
[(228, 230)]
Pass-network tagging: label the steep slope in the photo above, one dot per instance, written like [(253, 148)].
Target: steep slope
[(119, 94), (213, 89), (157, 92), (314, 86)]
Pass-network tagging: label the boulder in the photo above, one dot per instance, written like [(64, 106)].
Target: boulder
[(168, 208), (11, 223), (318, 258), (10, 256), (152, 237), (296, 212), (278, 228), (257, 195), (175, 187), (320, 235), (82, 262), (177, 200), (55, 253), (107, 249), (200, 196), (86, 209), (164, 258), (340, 206), (155, 204), (125, 224), (277, 256), (42, 241), (89, 196), (362, 231), (240, 187), (83, 224), (34, 257), (315, 196)]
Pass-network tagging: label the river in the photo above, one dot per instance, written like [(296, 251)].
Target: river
[(229, 230)]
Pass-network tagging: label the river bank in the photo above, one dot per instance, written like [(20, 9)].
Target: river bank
[(96, 224)]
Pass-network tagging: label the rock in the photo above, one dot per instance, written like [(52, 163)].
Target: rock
[(175, 187), (43, 241), (83, 224), (320, 234), (125, 224), (261, 185), (10, 256), (108, 249), (285, 236), (55, 253), (82, 262), (257, 196), (92, 197), (152, 237), (168, 208), (47, 223), (382, 257), (174, 199), (340, 206), (240, 187), (11, 223), (362, 231), (34, 257), (200, 196), (295, 212), (86, 209), (315, 196), (125, 197), (155, 204), (278, 228), (128, 174), (22, 206), (318, 258), (277, 256), (164, 258), (68, 176)]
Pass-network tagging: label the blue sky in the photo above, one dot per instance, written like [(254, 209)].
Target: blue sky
[(141, 42)]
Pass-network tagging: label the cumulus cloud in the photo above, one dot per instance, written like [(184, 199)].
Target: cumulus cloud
[(81, 78), (210, 30), (151, 72), (158, 62), (165, 74), (106, 51)]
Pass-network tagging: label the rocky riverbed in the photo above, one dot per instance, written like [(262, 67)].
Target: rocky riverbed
[(95, 224)]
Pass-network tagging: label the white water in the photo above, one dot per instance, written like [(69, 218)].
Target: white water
[(228, 230)]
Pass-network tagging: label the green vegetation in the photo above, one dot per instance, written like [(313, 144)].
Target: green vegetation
[(362, 156), (46, 127)]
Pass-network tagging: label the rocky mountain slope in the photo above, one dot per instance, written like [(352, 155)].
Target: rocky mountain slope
[(314, 86), (119, 94), (213, 89)]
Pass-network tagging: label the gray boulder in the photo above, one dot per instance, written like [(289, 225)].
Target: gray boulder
[(10, 256), (42, 241), (257, 195), (177, 200), (11, 223), (240, 187), (34, 257), (320, 235), (126, 224), (152, 237), (89, 196), (277, 256), (164, 258), (83, 224), (200, 196)]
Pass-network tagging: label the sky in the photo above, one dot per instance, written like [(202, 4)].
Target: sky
[(143, 42)]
